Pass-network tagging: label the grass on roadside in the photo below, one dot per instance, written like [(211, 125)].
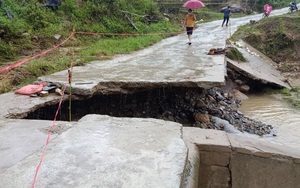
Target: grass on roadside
[(5, 85), (207, 15), (118, 45)]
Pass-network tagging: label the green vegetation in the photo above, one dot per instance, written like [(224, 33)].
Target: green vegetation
[(208, 15), (292, 96), (235, 54), (32, 20), (278, 37), (32, 28)]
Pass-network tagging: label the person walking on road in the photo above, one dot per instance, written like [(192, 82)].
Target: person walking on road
[(226, 16), (189, 23)]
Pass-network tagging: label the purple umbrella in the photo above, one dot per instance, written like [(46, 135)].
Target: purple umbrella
[(193, 4)]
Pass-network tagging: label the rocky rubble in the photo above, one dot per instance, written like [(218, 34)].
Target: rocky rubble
[(214, 102)]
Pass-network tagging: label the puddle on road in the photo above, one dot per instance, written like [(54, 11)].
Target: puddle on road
[(273, 111)]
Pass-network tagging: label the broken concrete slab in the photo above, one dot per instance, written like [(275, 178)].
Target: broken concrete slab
[(103, 151), (192, 172), (80, 160), (18, 106), (258, 66), (21, 138), (169, 63)]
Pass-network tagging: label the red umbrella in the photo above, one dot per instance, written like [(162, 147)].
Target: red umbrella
[(267, 9), (193, 4)]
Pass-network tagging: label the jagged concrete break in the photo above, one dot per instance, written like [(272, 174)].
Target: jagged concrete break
[(105, 151), (258, 66), (169, 63)]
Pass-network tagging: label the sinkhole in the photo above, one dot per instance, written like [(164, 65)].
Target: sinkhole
[(174, 104)]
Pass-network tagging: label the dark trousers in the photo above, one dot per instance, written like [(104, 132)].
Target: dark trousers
[(226, 18)]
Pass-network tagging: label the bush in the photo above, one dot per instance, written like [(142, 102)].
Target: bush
[(7, 51)]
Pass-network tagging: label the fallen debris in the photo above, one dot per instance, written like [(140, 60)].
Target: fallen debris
[(39, 89), (58, 91), (253, 22), (131, 22), (30, 89), (216, 51), (43, 93)]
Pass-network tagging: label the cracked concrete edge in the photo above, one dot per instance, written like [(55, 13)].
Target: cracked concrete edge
[(275, 77), (128, 87), (198, 140), (262, 148), (12, 108), (193, 163), (220, 141), (88, 124)]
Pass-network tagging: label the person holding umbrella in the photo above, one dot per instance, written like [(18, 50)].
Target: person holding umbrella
[(189, 23), (190, 18)]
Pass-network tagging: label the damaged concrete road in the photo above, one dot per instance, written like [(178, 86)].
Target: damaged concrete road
[(130, 152), (169, 63), (258, 66), (101, 151), (104, 151)]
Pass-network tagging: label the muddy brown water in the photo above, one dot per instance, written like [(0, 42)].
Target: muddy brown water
[(271, 110)]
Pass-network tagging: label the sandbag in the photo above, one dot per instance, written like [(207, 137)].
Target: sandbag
[(30, 89)]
